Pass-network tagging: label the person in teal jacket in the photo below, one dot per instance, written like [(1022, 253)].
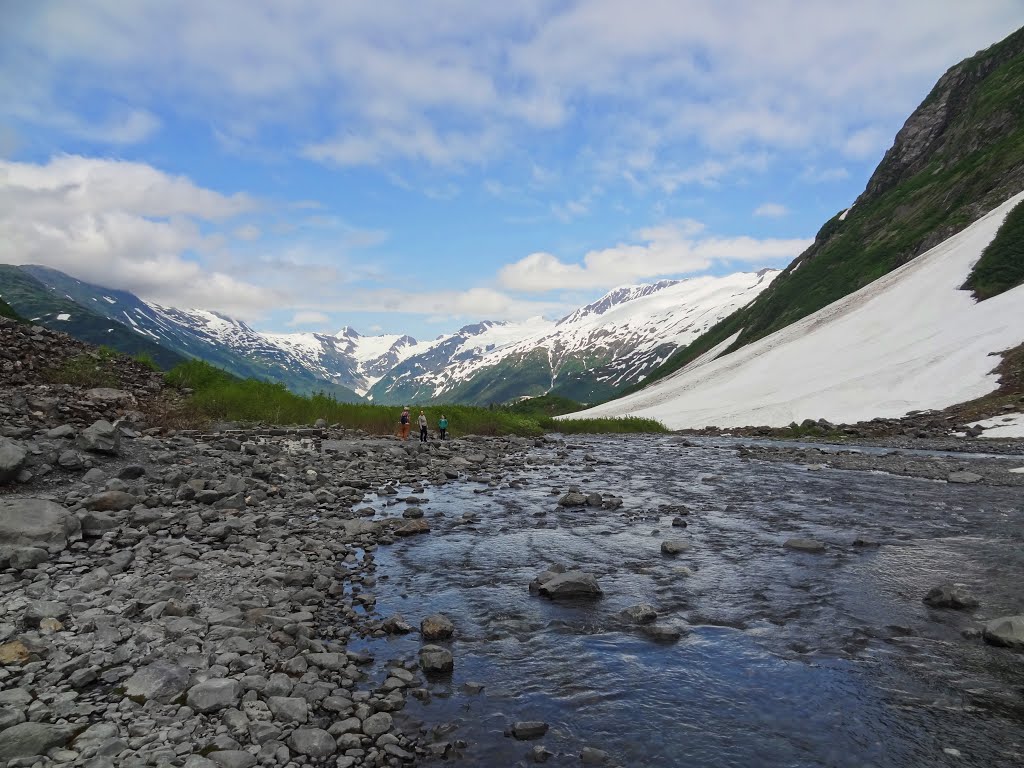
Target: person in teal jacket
[(442, 425)]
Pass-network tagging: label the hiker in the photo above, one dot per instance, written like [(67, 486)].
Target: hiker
[(442, 425), (403, 422), (423, 427)]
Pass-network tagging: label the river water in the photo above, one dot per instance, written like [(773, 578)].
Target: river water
[(787, 658)]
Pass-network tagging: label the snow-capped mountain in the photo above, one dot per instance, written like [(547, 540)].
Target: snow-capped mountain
[(913, 339), (586, 355)]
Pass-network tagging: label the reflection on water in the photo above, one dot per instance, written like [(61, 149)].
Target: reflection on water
[(790, 659)]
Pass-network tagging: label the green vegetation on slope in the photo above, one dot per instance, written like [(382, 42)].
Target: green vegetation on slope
[(961, 155), (544, 406), (35, 302), (6, 310), (217, 395), (1001, 266)]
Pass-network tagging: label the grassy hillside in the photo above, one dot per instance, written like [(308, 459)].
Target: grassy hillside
[(1001, 266), (6, 310), (35, 302), (957, 157), (218, 395), (545, 406)]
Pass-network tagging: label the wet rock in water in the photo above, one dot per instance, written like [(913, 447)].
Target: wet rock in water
[(866, 542), (805, 545), (678, 522), (37, 523), (101, 437), (412, 528), (540, 754), (435, 660), (413, 513), (594, 500), (396, 625), (953, 596), (662, 634), (529, 729), (964, 477), (437, 627), (12, 457), (641, 613), (674, 546), (544, 576), (1006, 631), (594, 756), (160, 681), (573, 499), (570, 584), (33, 739)]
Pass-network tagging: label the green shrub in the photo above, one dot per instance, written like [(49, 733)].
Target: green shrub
[(145, 359), (85, 370), (628, 424), (1001, 266), (219, 396)]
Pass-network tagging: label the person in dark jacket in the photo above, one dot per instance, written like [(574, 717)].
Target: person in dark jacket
[(423, 427)]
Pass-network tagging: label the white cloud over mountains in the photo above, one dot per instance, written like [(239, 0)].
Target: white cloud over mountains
[(677, 248)]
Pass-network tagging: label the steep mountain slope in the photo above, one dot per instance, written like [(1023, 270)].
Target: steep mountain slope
[(959, 155), (226, 343), (56, 310), (585, 356), (910, 340), (6, 310)]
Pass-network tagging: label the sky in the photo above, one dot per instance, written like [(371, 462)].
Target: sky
[(410, 166)]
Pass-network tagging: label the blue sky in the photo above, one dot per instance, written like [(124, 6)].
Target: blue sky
[(414, 166)]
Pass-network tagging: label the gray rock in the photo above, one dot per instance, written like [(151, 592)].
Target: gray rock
[(95, 524), (642, 613), (23, 558), (964, 477), (953, 596), (573, 499), (111, 501), (160, 681), (593, 756), (437, 627), (214, 695), (435, 660), (101, 437), (674, 546), (529, 729), (1006, 631), (571, 584), (312, 742), (396, 625), (33, 739), (70, 459), (37, 523), (377, 724), (233, 758), (12, 457), (805, 545), (57, 433), (289, 709), (38, 610)]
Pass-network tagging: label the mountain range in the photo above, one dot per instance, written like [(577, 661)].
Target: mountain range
[(587, 355)]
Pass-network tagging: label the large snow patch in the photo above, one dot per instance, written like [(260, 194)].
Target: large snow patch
[(910, 340)]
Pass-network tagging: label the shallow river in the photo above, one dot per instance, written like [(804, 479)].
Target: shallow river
[(791, 659)]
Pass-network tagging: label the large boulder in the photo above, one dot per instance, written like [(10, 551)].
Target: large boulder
[(571, 584), (160, 681), (953, 596), (1007, 631), (437, 627), (37, 523), (312, 742), (214, 695), (12, 457), (111, 501), (101, 437), (33, 739), (435, 660)]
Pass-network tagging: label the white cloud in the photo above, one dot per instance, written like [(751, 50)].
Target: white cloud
[(123, 225), (771, 210), (307, 317), (815, 175), (867, 143), (372, 83), (248, 232), (677, 248)]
